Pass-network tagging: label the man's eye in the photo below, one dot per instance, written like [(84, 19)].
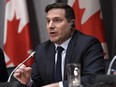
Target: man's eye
[(57, 20), (48, 21)]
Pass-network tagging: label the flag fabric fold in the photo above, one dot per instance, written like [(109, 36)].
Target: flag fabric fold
[(17, 38)]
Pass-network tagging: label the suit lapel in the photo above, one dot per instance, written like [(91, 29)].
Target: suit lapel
[(70, 51), (51, 62)]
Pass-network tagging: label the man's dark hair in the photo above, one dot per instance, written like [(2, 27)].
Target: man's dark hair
[(69, 12)]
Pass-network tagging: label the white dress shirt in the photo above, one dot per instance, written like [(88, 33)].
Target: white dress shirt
[(63, 45)]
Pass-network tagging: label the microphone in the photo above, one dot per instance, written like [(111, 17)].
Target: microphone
[(30, 56), (110, 66)]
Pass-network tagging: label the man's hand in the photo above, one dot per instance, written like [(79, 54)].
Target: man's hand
[(23, 74)]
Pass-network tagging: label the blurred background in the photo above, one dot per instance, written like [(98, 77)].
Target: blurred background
[(37, 21)]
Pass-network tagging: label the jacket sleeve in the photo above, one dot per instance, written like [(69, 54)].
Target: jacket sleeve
[(3, 70), (92, 61)]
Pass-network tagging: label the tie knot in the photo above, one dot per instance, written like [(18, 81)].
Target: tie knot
[(60, 49)]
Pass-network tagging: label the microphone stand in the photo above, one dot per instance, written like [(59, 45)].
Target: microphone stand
[(110, 66), (31, 55)]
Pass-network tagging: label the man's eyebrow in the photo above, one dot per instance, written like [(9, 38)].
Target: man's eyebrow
[(47, 18)]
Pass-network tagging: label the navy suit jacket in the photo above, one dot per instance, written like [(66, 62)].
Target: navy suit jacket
[(3, 70), (82, 49)]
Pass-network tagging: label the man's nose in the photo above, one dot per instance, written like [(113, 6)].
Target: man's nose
[(51, 24)]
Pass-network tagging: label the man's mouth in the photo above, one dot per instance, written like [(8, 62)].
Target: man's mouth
[(52, 33)]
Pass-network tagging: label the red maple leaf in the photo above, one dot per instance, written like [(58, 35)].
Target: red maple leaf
[(17, 44), (93, 26)]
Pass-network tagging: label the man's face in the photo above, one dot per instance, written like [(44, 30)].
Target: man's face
[(57, 26)]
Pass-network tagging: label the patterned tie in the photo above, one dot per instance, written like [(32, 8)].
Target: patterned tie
[(58, 71)]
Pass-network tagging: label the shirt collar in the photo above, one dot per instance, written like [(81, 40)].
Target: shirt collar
[(64, 45)]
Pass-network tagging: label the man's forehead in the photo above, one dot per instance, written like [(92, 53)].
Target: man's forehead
[(56, 13)]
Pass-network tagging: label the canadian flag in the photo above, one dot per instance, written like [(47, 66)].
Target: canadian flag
[(17, 41), (89, 20)]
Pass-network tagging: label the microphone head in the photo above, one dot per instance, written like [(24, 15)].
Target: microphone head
[(32, 54)]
